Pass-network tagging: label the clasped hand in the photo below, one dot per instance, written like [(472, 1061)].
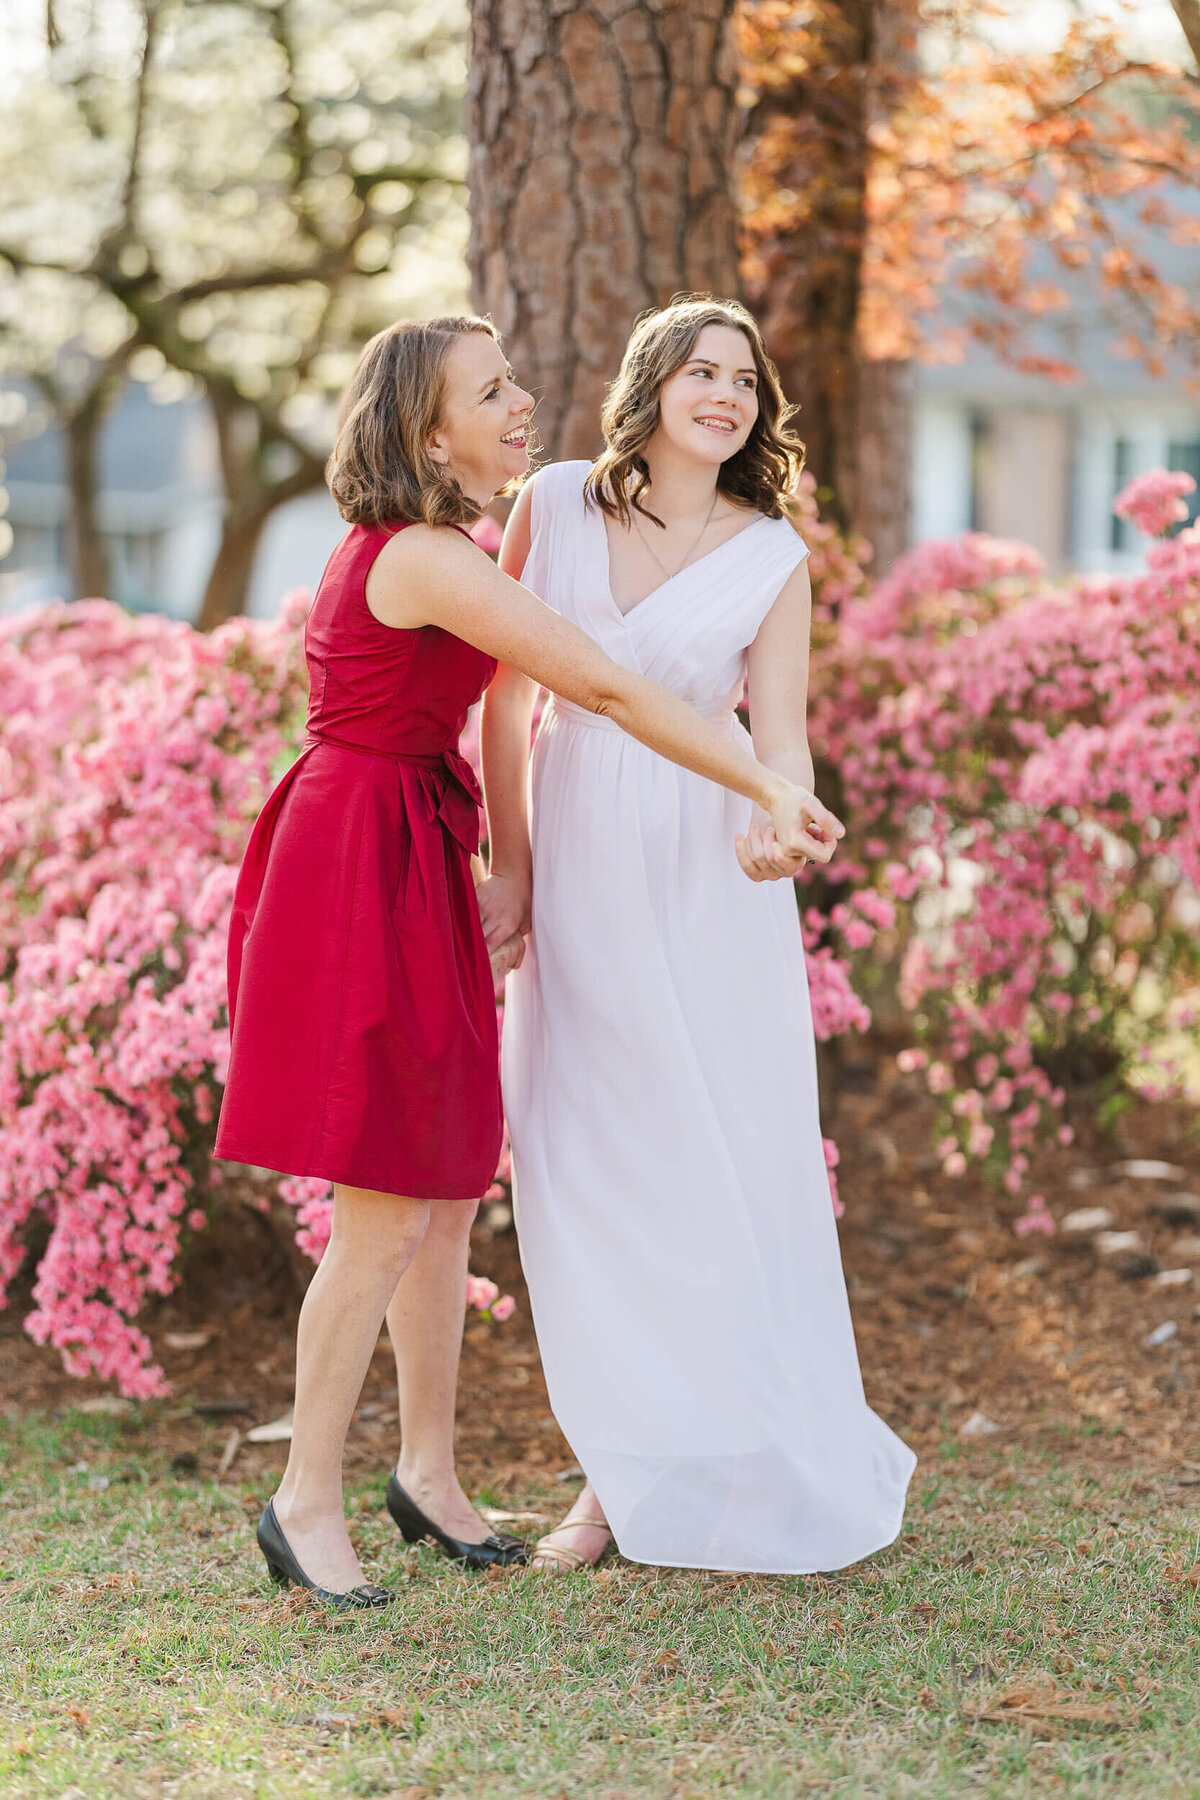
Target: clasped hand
[(504, 913), (813, 831)]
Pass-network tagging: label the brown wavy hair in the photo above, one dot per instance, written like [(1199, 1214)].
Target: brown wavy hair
[(764, 471), (381, 468)]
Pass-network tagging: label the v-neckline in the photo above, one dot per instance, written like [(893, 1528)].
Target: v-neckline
[(758, 519)]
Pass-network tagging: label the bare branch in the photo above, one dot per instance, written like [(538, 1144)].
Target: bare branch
[(151, 13), (20, 260), (329, 268), (299, 135)]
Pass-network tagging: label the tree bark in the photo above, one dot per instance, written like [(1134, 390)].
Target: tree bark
[(80, 413), (227, 589), (87, 552), (602, 143), (1188, 14), (883, 509), (251, 496), (809, 138), (887, 386)]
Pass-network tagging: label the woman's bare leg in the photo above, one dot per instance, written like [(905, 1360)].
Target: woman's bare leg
[(425, 1321), (373, 1240)]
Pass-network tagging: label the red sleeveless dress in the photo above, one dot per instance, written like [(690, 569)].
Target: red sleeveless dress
[(361, 1004)]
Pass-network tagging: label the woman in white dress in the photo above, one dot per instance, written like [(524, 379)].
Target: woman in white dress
[(672, 1201)]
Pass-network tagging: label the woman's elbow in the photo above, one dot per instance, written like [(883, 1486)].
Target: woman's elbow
[(608, 699)]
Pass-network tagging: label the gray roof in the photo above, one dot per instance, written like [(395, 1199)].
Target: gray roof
[(1085, 332)]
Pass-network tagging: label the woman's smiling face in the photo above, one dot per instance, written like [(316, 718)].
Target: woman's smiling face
[(707, 408), (482, 437)]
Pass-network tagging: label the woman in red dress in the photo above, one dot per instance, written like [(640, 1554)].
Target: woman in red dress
[(360, 991)]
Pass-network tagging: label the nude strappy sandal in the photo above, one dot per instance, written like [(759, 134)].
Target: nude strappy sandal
[(562, 1558)]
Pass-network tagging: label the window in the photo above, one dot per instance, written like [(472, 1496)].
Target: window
[(1186, 456), (1120, 530), (980, 453)]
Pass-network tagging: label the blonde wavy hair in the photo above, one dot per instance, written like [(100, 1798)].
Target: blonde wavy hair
[(764, 471), (381, 468)]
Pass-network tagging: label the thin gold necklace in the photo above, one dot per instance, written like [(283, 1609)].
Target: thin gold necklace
[(671, 573)]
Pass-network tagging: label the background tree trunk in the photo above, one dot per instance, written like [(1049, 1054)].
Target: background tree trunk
[(809, 145), (602, 139), (1188, 14), (245, 451), (87, 551), (80, 412), (887, 386)]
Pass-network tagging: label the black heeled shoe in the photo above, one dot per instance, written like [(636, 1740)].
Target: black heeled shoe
[(284, 1567), (496, 1551)]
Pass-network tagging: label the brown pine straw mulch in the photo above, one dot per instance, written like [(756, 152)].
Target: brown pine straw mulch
[(955, 1315)]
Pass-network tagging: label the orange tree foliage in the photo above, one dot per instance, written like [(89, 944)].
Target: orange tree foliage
[(894, 148)]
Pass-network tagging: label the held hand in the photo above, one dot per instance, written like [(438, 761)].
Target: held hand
[(503, 909), (761, 858), (506, 957), (802, 828)]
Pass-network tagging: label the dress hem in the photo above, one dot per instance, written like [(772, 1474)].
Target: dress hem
[(822, 1568), (416, 1191)]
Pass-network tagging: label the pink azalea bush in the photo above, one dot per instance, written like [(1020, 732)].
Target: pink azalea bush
[(1020, 762), (1155, 501), (135, 756)]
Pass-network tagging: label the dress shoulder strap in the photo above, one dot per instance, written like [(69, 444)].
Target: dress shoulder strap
[(555, 487), (556, 515)]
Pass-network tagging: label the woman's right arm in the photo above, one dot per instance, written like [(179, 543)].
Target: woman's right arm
[(434, 575)]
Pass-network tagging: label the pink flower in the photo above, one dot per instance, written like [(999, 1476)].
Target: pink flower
[(481, 1292), (503, 1308), (1154, 501), (955, 1164), (980, 1137), (1036, 1217), (487, 534)]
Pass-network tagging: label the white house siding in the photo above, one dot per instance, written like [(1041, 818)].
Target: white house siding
[(1023, 478), (941, 469), (1047, 475)]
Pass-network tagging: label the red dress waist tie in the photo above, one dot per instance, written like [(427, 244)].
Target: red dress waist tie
[(448, 786)]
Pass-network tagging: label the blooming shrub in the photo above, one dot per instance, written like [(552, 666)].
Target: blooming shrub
[(136, 754), (1155, 501), (1020, 761)]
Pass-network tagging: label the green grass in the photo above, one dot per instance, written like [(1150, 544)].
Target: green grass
[(143, 1653)]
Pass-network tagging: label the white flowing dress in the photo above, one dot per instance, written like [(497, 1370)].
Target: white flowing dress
[(672, 1201)]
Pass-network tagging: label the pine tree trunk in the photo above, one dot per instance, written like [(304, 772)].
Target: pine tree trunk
[(883, 510), (602, 153), (887, 387), (856, 414)]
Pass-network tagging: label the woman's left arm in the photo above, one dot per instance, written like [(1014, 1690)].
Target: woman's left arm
[(505, 896), (777, 678)]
